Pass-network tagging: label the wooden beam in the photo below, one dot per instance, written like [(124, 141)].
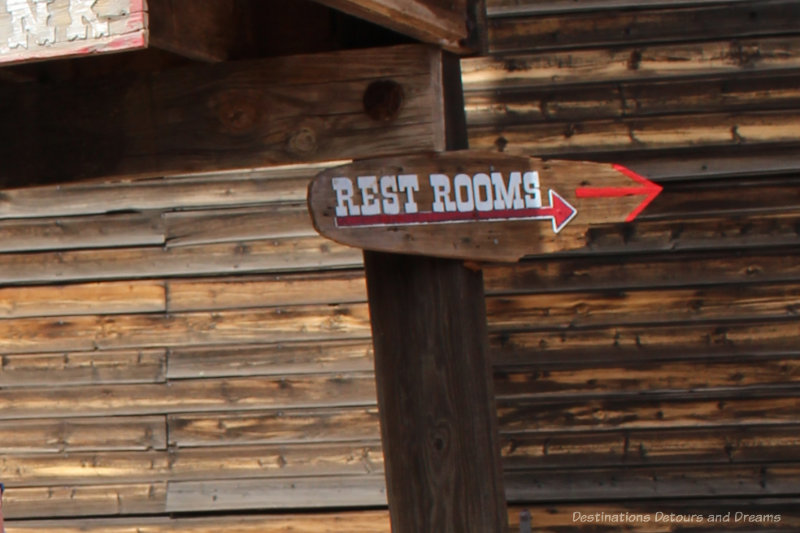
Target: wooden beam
[(435, 395), (225, 116), (206, 30), (437, 22)]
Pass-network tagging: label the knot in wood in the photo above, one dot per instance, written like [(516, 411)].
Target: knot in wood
[(383, 100), (238, 112), (303, 141)]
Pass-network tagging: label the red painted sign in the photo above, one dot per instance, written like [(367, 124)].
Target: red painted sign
[(473, 205)]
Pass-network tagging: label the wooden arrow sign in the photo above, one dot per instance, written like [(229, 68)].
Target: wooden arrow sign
[(473, 205)]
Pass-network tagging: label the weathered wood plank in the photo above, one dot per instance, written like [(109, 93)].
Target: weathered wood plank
[(86, 333), (362, 521), (533, 7), (265, 222), (271, 359), (81, 232), (694, 269), (623, 414), (274, 427), (225, 116), (626, 27), (620, 342), (265, 463), (636, 307), (292, 493), (519, 71), (92, 368), (75, 435), (633, 99), (83, 299), (96, 500), (652, 482), (261, 187), (683, 446), (678, 378), (187, 396), (68, 28), (276, 255), (281, 290), (653, 133), (432, 21)]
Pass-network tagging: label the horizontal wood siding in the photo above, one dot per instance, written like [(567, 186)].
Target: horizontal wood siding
[(656, 370)]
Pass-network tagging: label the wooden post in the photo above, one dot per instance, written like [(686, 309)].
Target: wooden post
[(434, 381), (435, 395)]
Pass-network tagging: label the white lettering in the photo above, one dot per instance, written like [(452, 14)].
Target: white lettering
[(369, 201), (409, 183), (463, 183), (83, 18), (484, 201), (24, 21), (533, 195), (391, 200), (440, 183), (507, 196), (344, 197)]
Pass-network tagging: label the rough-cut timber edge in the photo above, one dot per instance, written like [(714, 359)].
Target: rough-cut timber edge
[(435, 397), (232, 115), (429, 21)]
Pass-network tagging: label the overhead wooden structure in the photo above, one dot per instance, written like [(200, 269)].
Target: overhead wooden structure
[(182, 352)]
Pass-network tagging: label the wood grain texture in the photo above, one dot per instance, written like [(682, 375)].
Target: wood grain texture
[(297, 426), (224, 116), (204, 30), (75, 435), (532, 7), (271, 359), (89, 368), (442, 461), (581, 66), (433, 21), (267, 291), (598, 29), (234, 394)]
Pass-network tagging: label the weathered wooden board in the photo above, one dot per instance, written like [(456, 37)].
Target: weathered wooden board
[(233, 394), (473, 205), (74, 435), (651, 482), (83, 299), (534, 7), (274, 427), (626, 308), (275, 255), (91, 368), (263, 291), (735, 445), (607, 273), (515, 33), (44, 29), (233, 115), (271, 359), (622, 414), (362, 521), (292, 493), (96, 500), (433, 21), (749, 56), (664, 379)]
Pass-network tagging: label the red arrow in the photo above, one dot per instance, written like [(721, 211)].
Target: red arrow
[(647, 188), (560, 212)]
